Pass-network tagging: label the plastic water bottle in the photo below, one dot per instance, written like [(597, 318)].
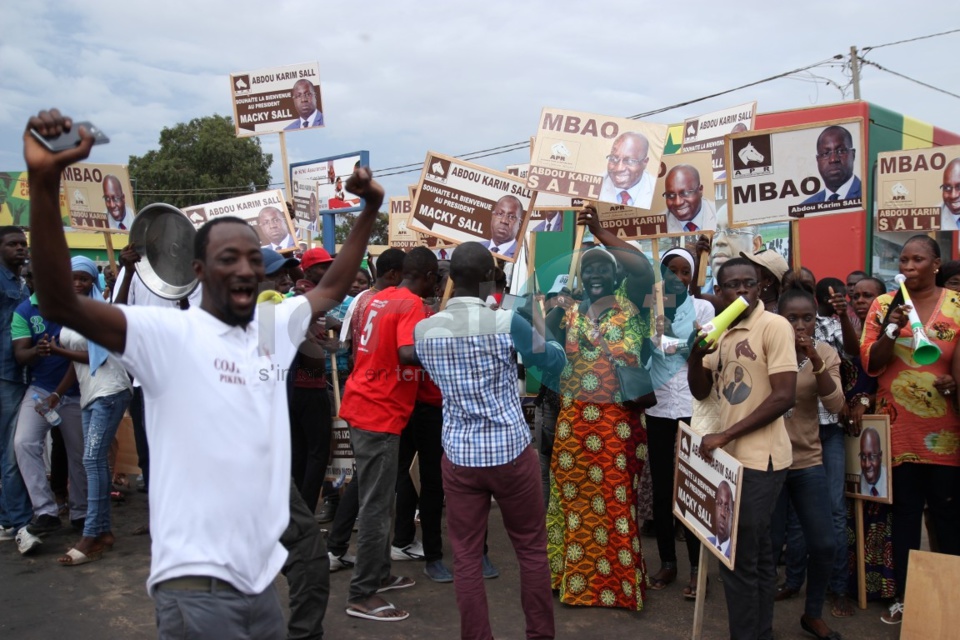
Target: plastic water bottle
[(50, 414)]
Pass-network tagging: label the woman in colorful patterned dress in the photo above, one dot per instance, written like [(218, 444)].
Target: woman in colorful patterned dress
[(600, 444), (920, 400)]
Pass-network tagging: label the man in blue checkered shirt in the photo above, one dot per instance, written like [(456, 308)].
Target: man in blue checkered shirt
[(468, 349)]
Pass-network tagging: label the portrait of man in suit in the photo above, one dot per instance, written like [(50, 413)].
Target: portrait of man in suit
[(873, 475), (552, 221), (305, 100), (627, 181), (950, 192), (119, 215), (738, 390), (273, 229), (836, 158), (723, 516), (687, 210), (506, 218)]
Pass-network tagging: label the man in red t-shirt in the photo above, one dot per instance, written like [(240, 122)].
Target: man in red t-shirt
[(377, 402)]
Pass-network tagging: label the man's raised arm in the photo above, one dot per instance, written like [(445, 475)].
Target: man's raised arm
[(52, 275), (335, 283)]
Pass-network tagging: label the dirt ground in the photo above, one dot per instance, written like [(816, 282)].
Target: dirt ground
[(107, 600)]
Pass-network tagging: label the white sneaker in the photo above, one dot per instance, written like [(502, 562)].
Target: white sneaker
[(413, 551), (341, 562), (7, 533), (26, 541)]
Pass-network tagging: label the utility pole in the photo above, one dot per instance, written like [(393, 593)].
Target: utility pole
[(855, 71)]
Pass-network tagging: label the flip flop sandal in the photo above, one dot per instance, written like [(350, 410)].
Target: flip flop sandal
[(690, 591), (74, 558), (373, 614), (397, 582), (658, 584)]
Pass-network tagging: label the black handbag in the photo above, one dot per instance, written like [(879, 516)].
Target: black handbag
[(636, 386)]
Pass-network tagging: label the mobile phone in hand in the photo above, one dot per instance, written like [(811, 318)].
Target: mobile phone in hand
[(70, 139)]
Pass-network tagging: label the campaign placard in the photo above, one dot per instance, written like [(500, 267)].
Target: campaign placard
[(797, 172), (918, 190), (306, 203), (868, 466), (683, 202), (595, 157), (463, 202), (265, 211), (401, 236), (342, 461), (545, 201), (707, 132), (443, 248), (331, 174), (95, 196), (706, 495), (277, 99)]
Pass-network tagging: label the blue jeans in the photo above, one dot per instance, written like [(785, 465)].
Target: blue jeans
[(834, 462), (806, 491), (101, 418), (15, 508)]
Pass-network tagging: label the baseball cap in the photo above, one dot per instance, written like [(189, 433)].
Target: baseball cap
[(317, 255), (770, 260), (273, 261)]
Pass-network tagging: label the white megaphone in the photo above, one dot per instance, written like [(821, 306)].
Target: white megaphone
[(924, 351)]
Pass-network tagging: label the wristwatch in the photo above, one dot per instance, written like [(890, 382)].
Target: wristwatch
[(892, 331), (865, 401)]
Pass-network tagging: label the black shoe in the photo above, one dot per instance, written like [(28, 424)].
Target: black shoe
[(44, 524), (328, 511)]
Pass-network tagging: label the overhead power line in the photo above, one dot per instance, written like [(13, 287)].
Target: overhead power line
[(926, 37), (914, 80)]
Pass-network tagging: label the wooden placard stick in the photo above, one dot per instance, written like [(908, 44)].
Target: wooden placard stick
[(333, 370), (447, 292), (861, 554), (702, 261), (795, 246), (699, 608), (655, 249), (575, 258), (111, 257)]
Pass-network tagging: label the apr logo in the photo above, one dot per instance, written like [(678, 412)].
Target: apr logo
[(897, 193), (744, 350), (197, 216), (752, 156), (559, 154), (690, 130), (559, 151), (685, 445), (241, 84), (79, 198), (438, 170)]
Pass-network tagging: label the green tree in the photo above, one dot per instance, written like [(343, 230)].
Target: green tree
[(200, 161), (379, 235)]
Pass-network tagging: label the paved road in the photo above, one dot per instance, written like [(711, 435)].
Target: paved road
[(106, 600)]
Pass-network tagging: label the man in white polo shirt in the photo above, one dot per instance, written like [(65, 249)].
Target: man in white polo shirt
[(214, 383)]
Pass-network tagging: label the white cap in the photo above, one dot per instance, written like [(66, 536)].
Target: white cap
[(559, 283)]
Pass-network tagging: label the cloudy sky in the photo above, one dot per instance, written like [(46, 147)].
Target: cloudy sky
[(401, 77)]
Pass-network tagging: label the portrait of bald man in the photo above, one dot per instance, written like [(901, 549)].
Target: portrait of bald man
[(873, 473), (505, 221), (950, 191), (836, 158), (273, 229), (687, 210), (304, 96), (627, 181), (119, 215)]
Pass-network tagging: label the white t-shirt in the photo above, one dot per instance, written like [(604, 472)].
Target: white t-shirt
[(219, 432), (111, 377)]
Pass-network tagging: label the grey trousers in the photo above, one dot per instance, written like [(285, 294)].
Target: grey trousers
[(377, 456), (32, 430), (192, 615), (307, 570)]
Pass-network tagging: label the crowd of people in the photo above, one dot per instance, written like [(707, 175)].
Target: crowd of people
[(269, 344)]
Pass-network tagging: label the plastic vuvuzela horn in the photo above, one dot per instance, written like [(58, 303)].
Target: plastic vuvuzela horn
[(924, 351)]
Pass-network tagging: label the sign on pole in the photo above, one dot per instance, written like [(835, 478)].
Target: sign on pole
[(277, 99), (462, 202), (707, 132), (331, 174), (595, 157), (265, 211), (868, 470), (797, 172), (918, 190), (401, 236), (706, 495)]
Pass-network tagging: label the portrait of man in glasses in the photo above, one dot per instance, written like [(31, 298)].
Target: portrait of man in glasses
[(627, 181), (687, 210), (119, 215), (836, 157), (950, 190), (505, 224)]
